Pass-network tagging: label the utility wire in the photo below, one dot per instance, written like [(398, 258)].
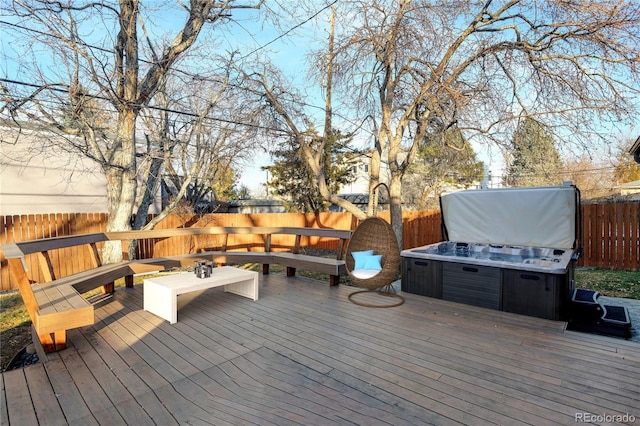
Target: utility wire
[(156, 108), (501, 171), (189, 74), (295, 27), (102, 49), (290, 30)]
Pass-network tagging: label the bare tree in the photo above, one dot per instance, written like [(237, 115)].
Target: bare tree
[(286, 121), (110, 72), (284, 118), (595, 180), (411, 65), (198, 152)]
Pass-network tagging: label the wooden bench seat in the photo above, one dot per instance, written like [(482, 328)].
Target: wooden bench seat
[(54, 307), (100, 276), (60, 308), (291, 261), (57, 304)]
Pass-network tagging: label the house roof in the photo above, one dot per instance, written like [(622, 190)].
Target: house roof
[(630, 185), (635, 150), (254, 202)]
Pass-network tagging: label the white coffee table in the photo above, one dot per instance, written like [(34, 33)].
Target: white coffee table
[(161, 294)]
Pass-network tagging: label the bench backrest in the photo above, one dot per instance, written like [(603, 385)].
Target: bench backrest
[(343, 235), (40, 248), (220, 230)]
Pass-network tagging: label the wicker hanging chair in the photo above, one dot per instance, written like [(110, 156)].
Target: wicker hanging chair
[(374, 233)]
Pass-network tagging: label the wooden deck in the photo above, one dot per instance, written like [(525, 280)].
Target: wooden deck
[(303, 354)]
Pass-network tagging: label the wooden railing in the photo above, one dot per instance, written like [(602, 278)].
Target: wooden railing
[(610, 234)]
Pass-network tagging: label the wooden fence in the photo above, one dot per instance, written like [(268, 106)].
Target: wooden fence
[(610, 237)]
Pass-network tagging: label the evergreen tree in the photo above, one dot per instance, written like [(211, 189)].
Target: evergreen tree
[(534, 158), (444, 160), (293, 181)]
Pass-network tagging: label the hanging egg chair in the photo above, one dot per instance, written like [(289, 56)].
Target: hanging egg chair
[(373, 260)]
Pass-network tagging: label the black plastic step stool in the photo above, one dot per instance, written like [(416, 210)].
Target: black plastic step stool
[(589, 315)]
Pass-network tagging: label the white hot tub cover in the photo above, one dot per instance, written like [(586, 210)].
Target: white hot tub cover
[(531, 216)]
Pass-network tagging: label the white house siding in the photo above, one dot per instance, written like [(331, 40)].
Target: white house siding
[(37, 176), (39, 189), (360, 185), (630, 190)]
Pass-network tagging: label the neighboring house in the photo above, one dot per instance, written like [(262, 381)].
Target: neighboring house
[(256, 206), (38, 176), (360, 185), (635, 150), (630, 190), (360, 170)]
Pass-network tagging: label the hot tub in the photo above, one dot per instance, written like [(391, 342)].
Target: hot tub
[(513, 250)]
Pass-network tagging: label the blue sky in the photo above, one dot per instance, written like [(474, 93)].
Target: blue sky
[(289, 53), (248, 34)]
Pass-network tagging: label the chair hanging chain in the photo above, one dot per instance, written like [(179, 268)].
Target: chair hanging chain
[(375, 192)]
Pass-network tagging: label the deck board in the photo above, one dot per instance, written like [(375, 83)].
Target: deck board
[(303, 354), (45, 403), (16, 393), (65, 389)]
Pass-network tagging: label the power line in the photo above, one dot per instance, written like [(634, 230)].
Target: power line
[(189, 74), (102, 49), (290, 30), (81, 42), (156, 108), (501, 171), (174, 111)]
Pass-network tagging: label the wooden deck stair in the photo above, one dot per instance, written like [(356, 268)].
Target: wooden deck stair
[(588, 314)]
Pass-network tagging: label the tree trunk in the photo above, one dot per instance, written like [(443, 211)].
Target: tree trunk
[(122, 186), (395, 190), (374, 180), (151, 185)]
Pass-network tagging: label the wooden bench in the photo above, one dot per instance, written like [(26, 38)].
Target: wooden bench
[(56, 305), (292, 259)]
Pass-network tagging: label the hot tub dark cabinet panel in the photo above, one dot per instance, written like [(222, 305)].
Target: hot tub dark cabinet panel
[(536, 294), (472, 284), (422, 276)]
